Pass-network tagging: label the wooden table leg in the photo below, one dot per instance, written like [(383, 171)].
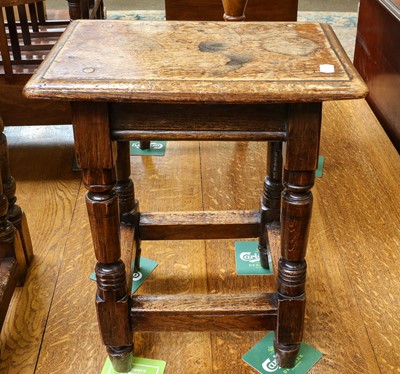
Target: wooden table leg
[(301, 161), (128, 205), (271, 198), (95, 155), (145, 144)]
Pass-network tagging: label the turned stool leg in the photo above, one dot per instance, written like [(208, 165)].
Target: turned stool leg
[(145, 144), (112, 299), (271, 198), (234, 10), (90, 122), (124, 188), (128, 206), (74, 8), (300, 164)]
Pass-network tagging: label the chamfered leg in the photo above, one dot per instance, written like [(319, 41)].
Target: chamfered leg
[(95, 154)]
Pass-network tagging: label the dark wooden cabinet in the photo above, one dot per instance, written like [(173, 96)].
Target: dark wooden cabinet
[(377, 58), (212, 10)]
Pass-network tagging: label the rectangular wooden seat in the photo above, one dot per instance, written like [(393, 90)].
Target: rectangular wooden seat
[(198, 62)]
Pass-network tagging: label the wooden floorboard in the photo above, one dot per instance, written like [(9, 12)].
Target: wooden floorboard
[(233, 175), (174, 184), (41, 159), (359, 195), (353, 283)]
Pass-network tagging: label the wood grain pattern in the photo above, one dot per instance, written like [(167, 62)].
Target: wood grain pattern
[(283, 64), (72, 341), (233, 175), (174, 184), (375, 237), (333, 323)]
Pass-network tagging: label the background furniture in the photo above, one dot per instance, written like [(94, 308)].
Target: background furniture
[(15, 242), (212, 10), (377, 58), (26, 36)]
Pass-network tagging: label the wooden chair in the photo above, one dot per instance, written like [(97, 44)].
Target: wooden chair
[(15, 242), (26, 36)]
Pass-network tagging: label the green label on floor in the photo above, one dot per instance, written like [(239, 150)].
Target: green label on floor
[(262, 357), (146, 267), (157, 148), (139, 366), (320, 168), (248, 259)]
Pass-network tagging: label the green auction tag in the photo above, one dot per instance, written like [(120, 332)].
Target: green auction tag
[(320, 167), (157, 148), (262, 357), (139, 366), (248, 259), (146, 268)]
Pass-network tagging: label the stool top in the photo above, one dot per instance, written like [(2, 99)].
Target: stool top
[(175, 61)]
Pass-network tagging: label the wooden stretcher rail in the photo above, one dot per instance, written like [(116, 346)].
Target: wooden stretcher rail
[(198, 121), (200, 225), (198, 135), (204, 312)]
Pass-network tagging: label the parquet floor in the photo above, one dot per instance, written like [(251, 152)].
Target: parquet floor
[(353, 285)]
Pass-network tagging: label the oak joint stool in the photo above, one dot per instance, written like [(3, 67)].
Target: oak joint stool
[(198, 81)]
